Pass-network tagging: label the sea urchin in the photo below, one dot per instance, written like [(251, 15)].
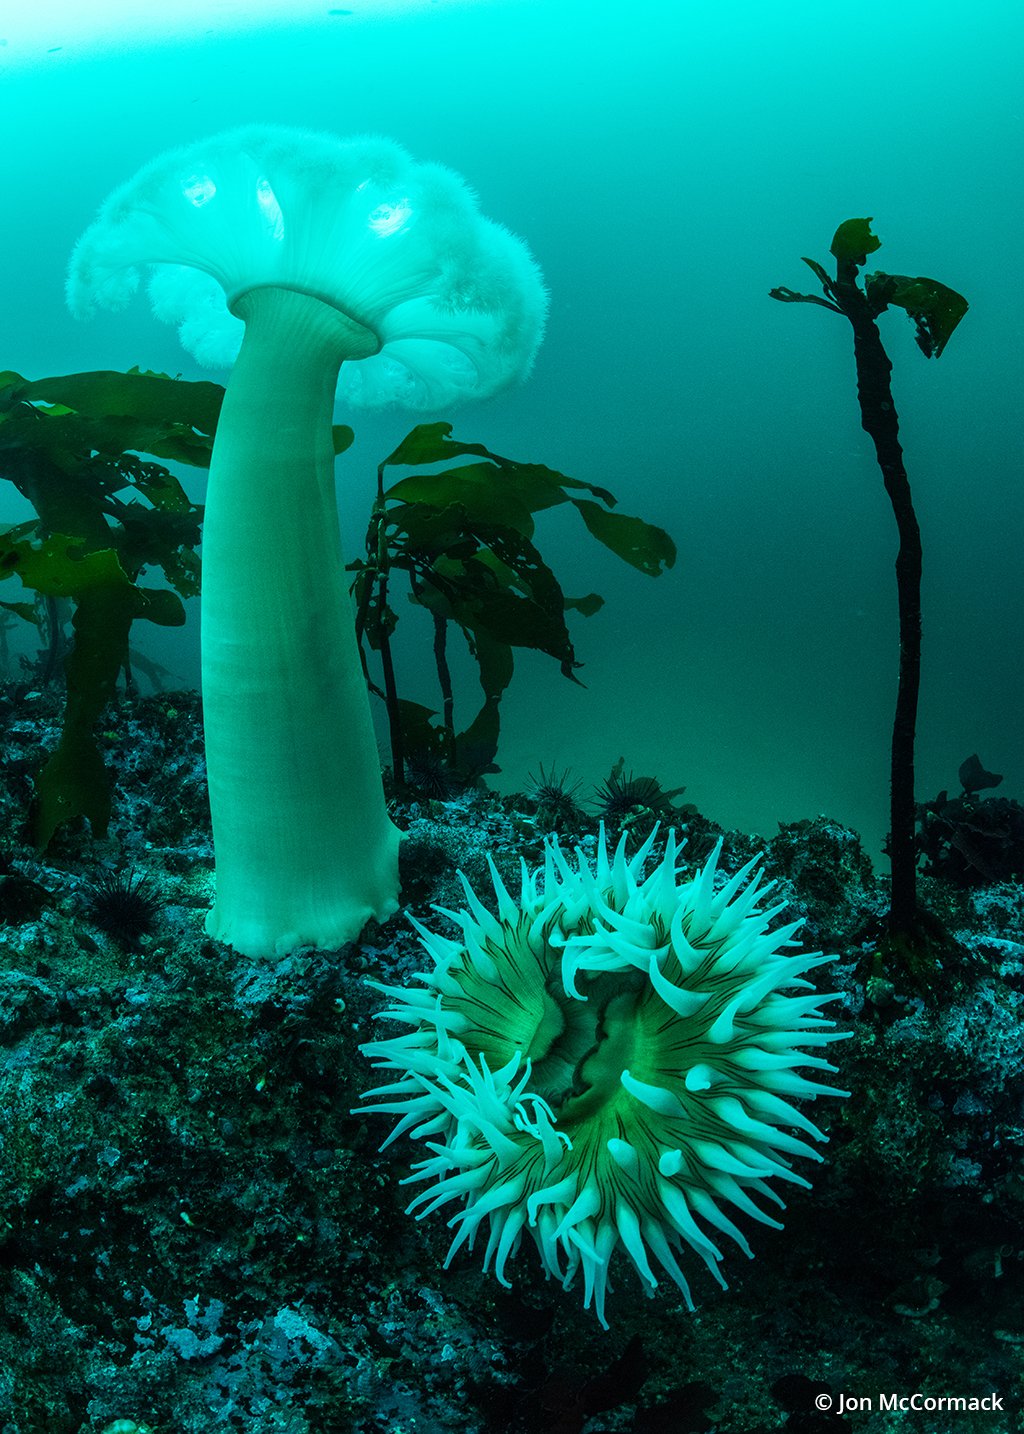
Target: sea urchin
[(124, 905), (608, 1061)]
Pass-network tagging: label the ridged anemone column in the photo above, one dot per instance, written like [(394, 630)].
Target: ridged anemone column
[(305, 851)]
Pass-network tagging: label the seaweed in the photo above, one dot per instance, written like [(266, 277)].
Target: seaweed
[(70, 446), (463, 537), (968, 841), (935, 310)]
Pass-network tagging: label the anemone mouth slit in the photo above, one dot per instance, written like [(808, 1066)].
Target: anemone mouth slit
[(635, 1074)]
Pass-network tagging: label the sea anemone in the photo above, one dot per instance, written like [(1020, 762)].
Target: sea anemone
[(304, 255), (608, 1061)]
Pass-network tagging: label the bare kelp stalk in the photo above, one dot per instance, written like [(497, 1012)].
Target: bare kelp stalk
[(936, 311)]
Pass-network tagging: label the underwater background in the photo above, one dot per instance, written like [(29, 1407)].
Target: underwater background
[(668, 164), (202, 1222)]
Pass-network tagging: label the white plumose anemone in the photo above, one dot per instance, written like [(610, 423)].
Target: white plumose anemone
[(445, 305), (608, 1061), (296, 257)]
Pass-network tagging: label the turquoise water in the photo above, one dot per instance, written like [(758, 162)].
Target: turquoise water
[(668, 164)]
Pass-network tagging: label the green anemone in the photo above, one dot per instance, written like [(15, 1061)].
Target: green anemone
[(609, 1061)]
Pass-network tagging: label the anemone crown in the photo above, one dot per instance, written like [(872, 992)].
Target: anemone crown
[(445, 305)]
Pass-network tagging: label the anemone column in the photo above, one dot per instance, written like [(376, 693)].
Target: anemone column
[(304, 845)]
